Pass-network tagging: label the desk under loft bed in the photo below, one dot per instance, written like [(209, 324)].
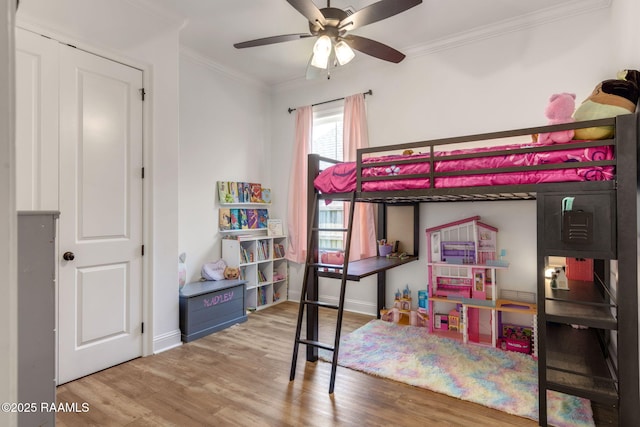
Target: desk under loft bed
[(602, 178)]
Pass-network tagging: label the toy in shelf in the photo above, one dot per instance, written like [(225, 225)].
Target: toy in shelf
[(518, 338), (454, 320), (559, 280), (515, 338), (402, 312)]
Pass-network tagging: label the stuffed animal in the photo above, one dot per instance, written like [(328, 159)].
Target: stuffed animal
[(559, 110), (231, 273), (609, 99), (182, 269)]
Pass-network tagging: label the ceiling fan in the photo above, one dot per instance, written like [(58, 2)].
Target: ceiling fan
[(334, 46)]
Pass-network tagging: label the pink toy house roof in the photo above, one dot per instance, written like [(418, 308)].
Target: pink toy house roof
[(459, 222)]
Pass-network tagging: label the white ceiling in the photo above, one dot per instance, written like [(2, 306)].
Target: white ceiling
[(211, 27)]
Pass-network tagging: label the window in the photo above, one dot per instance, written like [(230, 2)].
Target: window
[(327, 142)]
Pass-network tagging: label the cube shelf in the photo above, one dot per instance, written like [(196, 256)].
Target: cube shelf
[(262, 264)]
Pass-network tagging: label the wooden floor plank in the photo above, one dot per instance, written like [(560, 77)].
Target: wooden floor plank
[(240, 377)]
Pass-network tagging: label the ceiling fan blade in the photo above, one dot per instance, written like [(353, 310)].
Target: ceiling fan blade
[(374, 48), (309, 10), (376, 12), (271, 40)]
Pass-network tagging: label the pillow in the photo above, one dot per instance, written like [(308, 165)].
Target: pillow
[(334, 258), (213, 270)]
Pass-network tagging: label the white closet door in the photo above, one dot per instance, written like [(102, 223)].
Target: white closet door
[(36, 122), (100, 290)]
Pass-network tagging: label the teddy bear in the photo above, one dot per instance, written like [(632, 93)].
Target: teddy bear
[(231, 273), (559, 110), (610, 98)]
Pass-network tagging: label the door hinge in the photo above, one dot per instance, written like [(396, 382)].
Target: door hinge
[(142, 173), (142, 328), (142, 93), (142, 250)]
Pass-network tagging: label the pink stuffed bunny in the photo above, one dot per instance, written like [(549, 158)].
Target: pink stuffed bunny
[(560, 110)]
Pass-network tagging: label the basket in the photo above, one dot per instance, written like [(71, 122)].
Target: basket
[(385, 250)]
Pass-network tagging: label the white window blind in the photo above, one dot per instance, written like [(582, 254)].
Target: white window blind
[(327, 142)]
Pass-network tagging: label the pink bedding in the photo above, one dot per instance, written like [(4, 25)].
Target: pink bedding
[(341, 178)]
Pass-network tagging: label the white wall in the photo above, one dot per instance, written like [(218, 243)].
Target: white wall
[(224, 136), (8, 220), (147, 39), (490, 84)]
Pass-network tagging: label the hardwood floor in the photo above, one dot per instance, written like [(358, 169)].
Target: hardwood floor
[(240, 377)]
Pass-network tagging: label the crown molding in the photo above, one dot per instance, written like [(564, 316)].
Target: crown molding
[(523, 22), (231, 73), (171, 18)]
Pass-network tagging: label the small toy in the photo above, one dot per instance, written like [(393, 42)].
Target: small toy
[(454, 320), (559, 110), (231, 273), (610, 98), (515, 338), (406, 293)]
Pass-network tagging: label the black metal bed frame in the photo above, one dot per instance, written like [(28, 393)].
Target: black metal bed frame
[(621, 382)]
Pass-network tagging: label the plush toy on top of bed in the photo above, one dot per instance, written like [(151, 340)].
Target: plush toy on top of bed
[(559, 110), (609, 99)]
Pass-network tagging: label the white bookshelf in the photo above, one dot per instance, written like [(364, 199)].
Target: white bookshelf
[(262, 264)]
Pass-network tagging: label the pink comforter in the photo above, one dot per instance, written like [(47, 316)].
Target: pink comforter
[(341, 178)]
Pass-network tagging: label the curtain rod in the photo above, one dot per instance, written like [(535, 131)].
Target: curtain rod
[(369, 92)]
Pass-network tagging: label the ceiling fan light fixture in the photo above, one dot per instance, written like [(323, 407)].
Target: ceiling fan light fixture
[(344, 54), (321, 52)]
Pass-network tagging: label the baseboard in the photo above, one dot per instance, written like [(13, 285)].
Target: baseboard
[(166, 341), (356, 306)]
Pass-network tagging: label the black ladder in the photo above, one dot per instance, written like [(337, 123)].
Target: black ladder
[(305, 302)]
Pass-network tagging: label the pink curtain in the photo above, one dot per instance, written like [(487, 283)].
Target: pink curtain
[(297, 208), (356, 135)]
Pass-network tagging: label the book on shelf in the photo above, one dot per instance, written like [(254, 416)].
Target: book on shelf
[(235, 219), (278, 250), (274, 227), (266, 195), (263, 217), (233, 190), (261, 277), (256, 192), (252, 219), (241, 198), (246, 192), (224, 219), (242, 216), (223, 192), (260, 251)]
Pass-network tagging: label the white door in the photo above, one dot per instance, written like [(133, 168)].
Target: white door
[(100, 289)]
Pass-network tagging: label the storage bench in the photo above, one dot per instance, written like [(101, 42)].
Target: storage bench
[(207, 307)]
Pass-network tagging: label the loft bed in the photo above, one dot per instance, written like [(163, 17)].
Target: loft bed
[(508, 165)]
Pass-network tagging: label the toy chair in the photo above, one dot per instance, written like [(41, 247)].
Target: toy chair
[(454, 320)]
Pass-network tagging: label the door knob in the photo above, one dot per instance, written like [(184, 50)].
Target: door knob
[(68, 256)]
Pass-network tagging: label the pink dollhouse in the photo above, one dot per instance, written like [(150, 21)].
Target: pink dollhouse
[(462, 265), (458, 253)]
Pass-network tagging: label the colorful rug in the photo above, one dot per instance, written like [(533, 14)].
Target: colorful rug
[(502, 380)]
